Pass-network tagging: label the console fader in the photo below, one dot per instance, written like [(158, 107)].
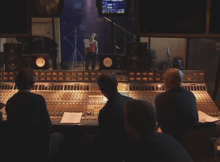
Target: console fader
[(87, 98)]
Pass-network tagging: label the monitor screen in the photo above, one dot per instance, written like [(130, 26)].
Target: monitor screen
[(113, 7)]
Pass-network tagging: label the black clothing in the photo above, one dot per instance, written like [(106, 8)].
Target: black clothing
[(90, 57), (157, 147), (112, 134), (176, 110), (111, 122), (28, 107)]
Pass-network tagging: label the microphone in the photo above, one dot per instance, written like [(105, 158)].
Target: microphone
[(117, 47)]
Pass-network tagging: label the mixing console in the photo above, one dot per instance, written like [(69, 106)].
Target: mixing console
[(87, 98)]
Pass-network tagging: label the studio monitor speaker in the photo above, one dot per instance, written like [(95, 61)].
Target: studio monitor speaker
[(36, 61), (112, 62), (12, 56), (138, 57)]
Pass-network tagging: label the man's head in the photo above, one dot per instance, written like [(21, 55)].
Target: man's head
[(25, 79), (139, 118), (173, 78), (108, 84)]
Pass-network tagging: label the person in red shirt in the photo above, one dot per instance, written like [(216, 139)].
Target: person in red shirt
[(92, 51)]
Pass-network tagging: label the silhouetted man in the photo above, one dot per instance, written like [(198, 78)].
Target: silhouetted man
[(176, 108), (149, 146)]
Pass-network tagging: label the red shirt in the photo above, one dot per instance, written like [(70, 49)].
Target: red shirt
[(93, 47)]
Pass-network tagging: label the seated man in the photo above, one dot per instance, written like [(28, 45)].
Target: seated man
[(140, 122), (112, 134), (25, 106), (176, 108)]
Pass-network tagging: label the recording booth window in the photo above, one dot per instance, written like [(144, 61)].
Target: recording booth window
[(46, 8)]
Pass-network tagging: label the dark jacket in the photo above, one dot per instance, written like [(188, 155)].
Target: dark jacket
[(28, 107), (111, 122), (157, 147), (176, 110)]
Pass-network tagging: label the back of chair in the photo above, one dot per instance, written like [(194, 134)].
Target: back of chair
[(198, 142), (23, 141)]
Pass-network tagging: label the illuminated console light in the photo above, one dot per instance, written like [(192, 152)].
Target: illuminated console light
[(105, 99), (86, 79), (195, 74), (73, 73), (201, 74), (68, 78), (138, 79), (151, 79), (80, 73), (40, 62), (132, 79), (42, 78), (144, 79), (145, 74), (93, 79), (61, 78), (157, 79), (61, 73), (151, 74), (159, 86), (48, 78), (54, 78), (80, 78), (54, 73)]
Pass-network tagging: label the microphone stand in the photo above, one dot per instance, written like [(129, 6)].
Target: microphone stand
[(74, 55), (126, 31)]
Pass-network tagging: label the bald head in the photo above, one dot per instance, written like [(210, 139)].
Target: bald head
[(173, 78)]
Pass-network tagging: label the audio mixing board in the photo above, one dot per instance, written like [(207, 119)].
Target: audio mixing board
[(87, 98)]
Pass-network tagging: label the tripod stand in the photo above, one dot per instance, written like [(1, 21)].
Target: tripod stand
[(73, 58)]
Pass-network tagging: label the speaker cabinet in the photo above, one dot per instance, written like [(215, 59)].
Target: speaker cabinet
[(36, 61), (112, 62), (12, 56), (138, 57)]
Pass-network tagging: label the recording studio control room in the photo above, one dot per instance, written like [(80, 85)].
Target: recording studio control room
[(110, 80)]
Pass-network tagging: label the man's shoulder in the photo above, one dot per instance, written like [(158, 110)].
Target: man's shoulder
[(161, 95)]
